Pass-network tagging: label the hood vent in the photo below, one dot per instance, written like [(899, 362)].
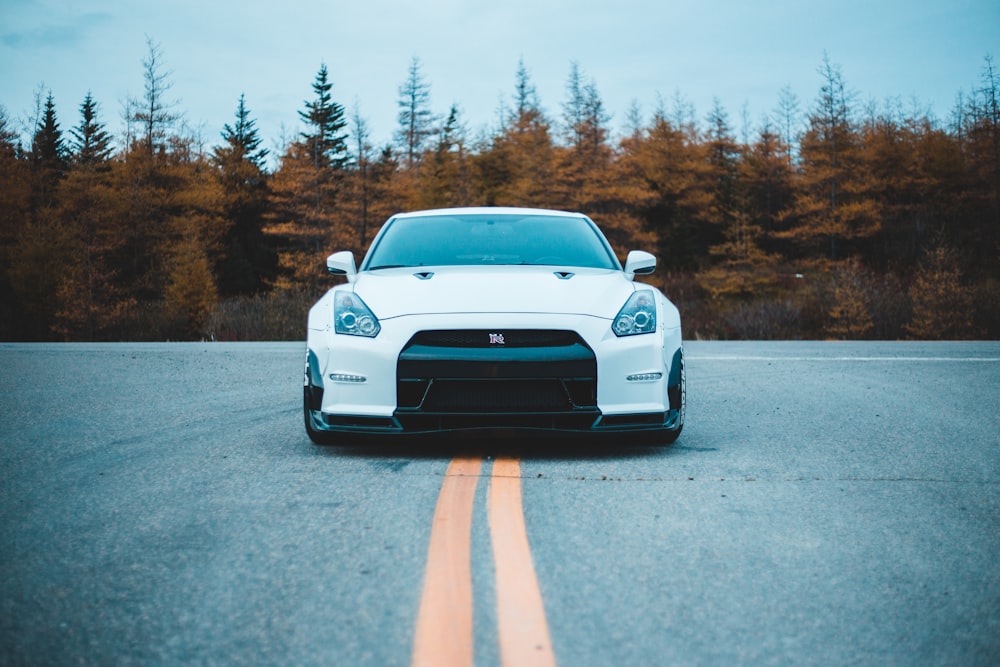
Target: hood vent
[(424, 275), (564, 275)]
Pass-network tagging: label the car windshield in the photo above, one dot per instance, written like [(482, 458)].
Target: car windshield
[(504, 238)]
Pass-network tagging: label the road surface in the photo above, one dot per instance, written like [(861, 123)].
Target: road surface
[(827, 503)]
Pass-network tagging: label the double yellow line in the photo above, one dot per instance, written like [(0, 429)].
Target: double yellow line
[(444, 631)]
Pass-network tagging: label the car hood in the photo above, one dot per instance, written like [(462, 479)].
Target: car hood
[(487, 289)]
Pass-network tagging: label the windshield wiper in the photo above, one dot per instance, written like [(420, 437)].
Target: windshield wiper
[(391, 266)]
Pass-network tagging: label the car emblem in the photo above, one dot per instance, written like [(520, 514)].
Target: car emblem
[(497, 339)]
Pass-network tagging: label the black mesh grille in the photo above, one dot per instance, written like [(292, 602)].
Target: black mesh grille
[(481, 338), (461, 373), (497, 396)]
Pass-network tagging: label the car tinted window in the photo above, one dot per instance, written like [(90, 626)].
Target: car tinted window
[(446, 240)]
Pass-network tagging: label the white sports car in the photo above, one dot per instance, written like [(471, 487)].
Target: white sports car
[(493, 319)]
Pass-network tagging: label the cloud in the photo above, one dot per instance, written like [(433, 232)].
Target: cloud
[(56, 36)]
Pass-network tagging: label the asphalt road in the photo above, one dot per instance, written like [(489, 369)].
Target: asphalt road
[(827, 503)]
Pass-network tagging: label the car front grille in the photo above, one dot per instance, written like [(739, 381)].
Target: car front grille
[(472, 338), (533, 377), (528, 395)]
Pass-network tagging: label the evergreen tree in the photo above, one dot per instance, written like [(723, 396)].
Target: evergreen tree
[(942, 305), (982, 146), (247, 262), (47, 147), (723, 155), (325, 138), (242, 140), (527, 112), (415, 118), (360, 186), (574, 107), (786, 120), (48, 155), (832, 207), (584, 115), (595, 125), (579, 183), (9, 144), (15, 201), (767, 174), (850, 316), (741, 267), (520, 167), (91, 144), (154, 114), (190, 295), (670, 163), (91, 301), (304, 221), (444, 179)]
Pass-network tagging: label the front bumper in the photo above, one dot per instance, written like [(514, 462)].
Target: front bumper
[(397, 384)]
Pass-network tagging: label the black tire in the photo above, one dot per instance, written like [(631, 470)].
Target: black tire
[(678, 402), (318, 437)]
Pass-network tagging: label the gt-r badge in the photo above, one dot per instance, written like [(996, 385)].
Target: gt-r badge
[(496, 339)]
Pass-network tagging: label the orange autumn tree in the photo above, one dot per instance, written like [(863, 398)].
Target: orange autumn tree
[(303, 216), (831, 209)]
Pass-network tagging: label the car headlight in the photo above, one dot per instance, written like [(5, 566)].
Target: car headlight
[(637, 316), (352, 317)]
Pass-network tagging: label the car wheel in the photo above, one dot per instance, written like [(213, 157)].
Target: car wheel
[(678, 405), (318, 437)]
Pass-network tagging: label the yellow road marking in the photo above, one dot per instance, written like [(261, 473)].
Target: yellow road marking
[(444, 632), (444, 623), (523, 629)]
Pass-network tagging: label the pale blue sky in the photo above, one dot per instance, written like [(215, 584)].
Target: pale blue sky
[(741, 52)]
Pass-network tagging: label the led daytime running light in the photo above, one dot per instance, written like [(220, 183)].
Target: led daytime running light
[(344, 377), (644, 377)]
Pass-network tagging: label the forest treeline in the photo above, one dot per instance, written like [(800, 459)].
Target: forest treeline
[(832, 219)]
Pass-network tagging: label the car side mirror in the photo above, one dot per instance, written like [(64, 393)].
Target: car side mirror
[(639, 263), (342, 264)]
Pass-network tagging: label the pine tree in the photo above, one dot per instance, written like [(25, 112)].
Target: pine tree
[(48, 155), (670, 162), (942, 305), (444, 175), (527, 110), (247, 261), (154, 114), (91, 302), (766, 172), (520, 167), (982, 147), (723, 156), (360, 187), (415, 118), (15, 202), (850, 316), (91, 144), (735, 177), (242, 140), (574, 107), (579, 168), (832, 208), (786, 119), (190, 295), (304, 220), (47, 147), (325, 138)]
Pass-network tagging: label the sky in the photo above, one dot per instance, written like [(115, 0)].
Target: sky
[(645, 52)]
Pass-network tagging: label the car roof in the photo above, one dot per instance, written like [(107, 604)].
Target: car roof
[(489, 210)]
